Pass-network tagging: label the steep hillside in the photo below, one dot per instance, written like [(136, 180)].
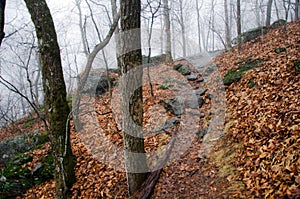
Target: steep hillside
[(263, 116), (257, 157)]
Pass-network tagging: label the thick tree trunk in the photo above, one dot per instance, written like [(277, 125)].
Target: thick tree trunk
[(168, 32), (56, 105), (269, 13), (132, 98), (2, 19)]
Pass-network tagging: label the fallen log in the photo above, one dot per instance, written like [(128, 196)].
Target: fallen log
[(149, 185)]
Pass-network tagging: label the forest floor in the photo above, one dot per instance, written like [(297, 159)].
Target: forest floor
[(257, 155)]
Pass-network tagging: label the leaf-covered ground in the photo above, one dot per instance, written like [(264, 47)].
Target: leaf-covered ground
[(263, 115), (258, 155)]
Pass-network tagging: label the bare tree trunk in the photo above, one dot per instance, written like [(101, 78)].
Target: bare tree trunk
[(162, 27), (257, 13), (269, 13), (277, 10), (168, 32), (212, 23), (2, 19), (239, 25), (227, 28), (56, 106), (199, 23), (287, 9), (82, 31), (82, 81), (182, 28), (132, 95), (117, 30), (173, 33), (297, 10)]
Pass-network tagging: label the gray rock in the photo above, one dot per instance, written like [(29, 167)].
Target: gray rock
[(200, 101), (177, 66), (102, 85), (278, 23), (192, 77), (20, 144), (191, 101), (202, 92), (174, 105), (202, 115), (167, 125), (201, 133), (184, 70)]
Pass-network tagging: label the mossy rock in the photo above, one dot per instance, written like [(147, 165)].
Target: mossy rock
[(16, 179), (184, 70), (235, 75), (177, 66), (45, 170), (278, 23), (14, 167), (21, 144), (154, 59), (280, 50)]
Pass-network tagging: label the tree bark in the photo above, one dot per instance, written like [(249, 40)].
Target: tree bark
[(117, 30), (297, 10), (2, 19), (168, 32), (56, 106), (182, 28), (269, 13), (227, 28), (239, 25), (199, 24), (132, 97)]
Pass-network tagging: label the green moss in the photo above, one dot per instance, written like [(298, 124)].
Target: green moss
[(14, 167), (245, 60), (280, 50), (28, 124), (252, 83), (45, 170), (17, 178), (235, 75)]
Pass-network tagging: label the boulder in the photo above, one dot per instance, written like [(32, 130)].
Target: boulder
[(192, 77), (251, 34), (102, 85), (202, 92), (175, 105), (184, 70), (278, 23), (200, 101), (21, 144), (177, 66)]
